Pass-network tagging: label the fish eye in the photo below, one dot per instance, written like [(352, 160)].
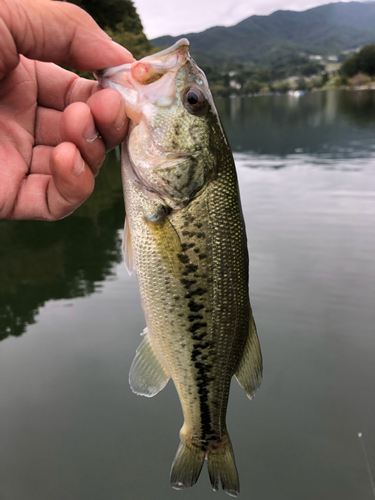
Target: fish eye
[(194, 99)]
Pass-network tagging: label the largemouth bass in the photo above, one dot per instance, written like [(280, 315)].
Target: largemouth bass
[(185, 237)]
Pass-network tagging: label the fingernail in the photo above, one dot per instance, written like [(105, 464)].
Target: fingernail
[(121, 117), (79, 164), (90, 133)]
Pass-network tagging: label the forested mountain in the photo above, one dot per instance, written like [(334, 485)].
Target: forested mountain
[(325, 30)]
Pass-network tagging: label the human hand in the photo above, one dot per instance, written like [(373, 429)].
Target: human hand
[(55, 127)]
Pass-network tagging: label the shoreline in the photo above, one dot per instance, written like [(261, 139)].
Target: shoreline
[(299, 93)]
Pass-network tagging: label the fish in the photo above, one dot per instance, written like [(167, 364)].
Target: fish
[(185, 238)]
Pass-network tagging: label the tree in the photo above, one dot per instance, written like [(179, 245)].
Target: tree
[(367, 60), (360, 62), (301, 83), (110, 13)]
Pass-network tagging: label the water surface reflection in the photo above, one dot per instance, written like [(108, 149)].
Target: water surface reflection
[(71, 428), (41, 261), (333, 123)]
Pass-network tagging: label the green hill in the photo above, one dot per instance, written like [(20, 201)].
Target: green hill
[(263, 40)]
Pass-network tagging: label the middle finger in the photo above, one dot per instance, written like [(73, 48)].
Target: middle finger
[(47, 127), (108, 109), (77, 126)]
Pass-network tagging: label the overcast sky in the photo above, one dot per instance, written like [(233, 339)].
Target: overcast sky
[(175, 17)]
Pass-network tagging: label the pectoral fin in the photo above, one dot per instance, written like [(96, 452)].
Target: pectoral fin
[(147, 375), (166, 238), (249, 372)]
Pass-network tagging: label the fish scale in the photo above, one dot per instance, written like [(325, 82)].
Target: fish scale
[(186, 239)]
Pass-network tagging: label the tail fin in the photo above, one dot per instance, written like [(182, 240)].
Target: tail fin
[(186, 466), (222, 467), (189, 460)]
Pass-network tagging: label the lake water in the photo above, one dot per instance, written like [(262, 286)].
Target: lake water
[(70, 319)]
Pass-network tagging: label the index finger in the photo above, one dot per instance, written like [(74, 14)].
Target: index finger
[(57, 87), (57, 32)]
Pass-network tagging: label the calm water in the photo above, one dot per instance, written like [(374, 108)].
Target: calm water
[(70, 320)]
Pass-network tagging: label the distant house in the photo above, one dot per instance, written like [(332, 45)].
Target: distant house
[(315, 58), (235, 85)]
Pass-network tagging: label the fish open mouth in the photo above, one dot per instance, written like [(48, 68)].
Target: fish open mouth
[(138, 81), (147, 70)]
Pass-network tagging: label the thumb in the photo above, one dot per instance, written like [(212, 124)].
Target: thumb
[(54, 31)]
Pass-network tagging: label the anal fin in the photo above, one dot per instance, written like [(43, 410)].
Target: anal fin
[(147, 375), (249, 372)]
